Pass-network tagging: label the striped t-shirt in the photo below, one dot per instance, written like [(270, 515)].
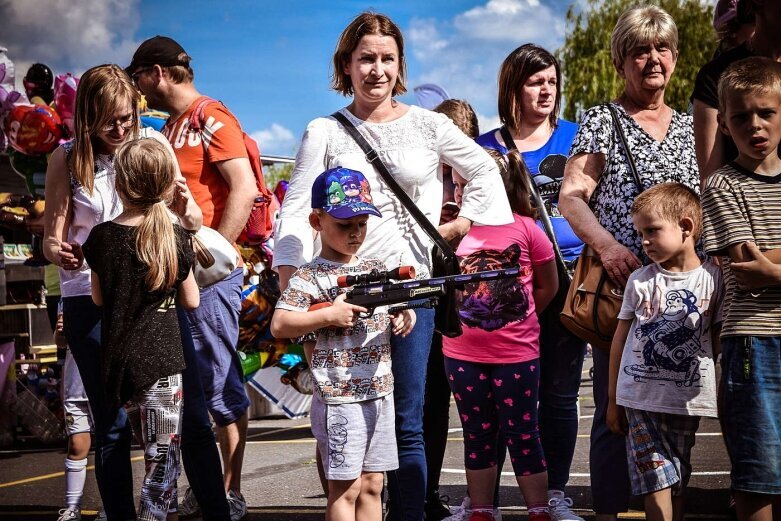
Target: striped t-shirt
[(740, 205)]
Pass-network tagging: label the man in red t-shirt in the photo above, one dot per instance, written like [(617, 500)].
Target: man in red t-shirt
[(214, 161)]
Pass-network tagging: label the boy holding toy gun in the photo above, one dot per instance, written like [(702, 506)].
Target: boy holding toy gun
[(347, 349)]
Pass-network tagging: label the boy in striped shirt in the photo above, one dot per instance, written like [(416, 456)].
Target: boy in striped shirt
[(742, 223)]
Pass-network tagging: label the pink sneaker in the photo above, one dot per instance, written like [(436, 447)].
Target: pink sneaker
[(539, 516), (482, 516)]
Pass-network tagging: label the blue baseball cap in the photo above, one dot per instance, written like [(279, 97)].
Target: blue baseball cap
[(343, 193)]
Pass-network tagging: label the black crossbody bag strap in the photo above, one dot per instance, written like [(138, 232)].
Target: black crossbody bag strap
[(374, 159), (509, 143), (629, 156), (640, 188)]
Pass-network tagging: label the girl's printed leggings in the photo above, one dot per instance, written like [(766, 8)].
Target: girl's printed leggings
[(497, 404), (156, 418)]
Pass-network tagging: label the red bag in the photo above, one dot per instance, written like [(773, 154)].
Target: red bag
[(259, 224)]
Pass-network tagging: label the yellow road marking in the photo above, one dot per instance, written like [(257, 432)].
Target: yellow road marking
[(50, 476)]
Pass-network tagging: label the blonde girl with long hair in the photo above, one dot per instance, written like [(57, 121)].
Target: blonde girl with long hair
[(80, 194), (141, 269)]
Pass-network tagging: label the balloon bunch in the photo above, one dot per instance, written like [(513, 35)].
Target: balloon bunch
[(31, 127)]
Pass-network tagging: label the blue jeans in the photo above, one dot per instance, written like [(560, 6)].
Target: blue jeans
[(610, 488), (561, 364), (214, 326), (751, 380), (407, 485), (199, 448), (81, 321)]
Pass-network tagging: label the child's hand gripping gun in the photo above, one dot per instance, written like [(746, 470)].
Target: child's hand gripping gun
[(372, 289)]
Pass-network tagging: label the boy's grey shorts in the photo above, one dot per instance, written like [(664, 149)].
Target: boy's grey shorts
[(355, 437)]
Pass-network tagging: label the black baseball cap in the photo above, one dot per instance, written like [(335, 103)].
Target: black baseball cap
[(160, 50)]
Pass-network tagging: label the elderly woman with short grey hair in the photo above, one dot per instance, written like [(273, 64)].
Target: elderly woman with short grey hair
[(599, 188)]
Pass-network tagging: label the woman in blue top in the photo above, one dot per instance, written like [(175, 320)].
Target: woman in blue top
[(529, 102)]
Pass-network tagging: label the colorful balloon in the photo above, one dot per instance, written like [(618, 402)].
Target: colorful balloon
[(33, 130)]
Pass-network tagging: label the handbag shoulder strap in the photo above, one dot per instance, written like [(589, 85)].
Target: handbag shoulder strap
[(629, 156), (373, 158)]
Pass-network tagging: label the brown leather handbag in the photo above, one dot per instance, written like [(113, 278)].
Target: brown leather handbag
[(593, 301)]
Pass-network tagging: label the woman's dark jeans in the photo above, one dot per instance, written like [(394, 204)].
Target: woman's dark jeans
[(436, 417), (81, 321), (610, 487), (561, 365), (407, 485)]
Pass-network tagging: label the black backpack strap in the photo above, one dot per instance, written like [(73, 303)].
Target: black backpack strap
[(373, 158)]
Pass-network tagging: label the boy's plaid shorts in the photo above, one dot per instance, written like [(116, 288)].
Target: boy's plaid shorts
[(659, 447)]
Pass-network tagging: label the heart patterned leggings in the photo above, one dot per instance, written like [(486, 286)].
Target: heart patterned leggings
[(497, 404)]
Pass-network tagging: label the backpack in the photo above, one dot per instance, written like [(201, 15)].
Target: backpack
[(259, 223)]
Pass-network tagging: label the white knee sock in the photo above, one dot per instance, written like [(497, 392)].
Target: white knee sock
[(75, 476)]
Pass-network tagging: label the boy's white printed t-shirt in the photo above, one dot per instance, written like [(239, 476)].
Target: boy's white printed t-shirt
[(348, 364), (667, 364)]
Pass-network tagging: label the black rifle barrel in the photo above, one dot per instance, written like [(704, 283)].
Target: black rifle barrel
[(450, 280)]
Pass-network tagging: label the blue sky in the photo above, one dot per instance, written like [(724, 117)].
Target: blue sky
[(269, 61)]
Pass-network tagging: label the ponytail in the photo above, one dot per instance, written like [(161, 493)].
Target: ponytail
[(145, 180), (156, 247), (516, 178)]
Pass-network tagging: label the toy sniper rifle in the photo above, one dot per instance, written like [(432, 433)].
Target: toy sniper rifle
[(371, 290)]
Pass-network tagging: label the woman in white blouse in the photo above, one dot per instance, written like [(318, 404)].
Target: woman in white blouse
[(413, 143)]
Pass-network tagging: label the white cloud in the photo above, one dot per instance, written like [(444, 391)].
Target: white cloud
[(509, 20), (463, 54), (69, 36), (487, 123), (275, 140)]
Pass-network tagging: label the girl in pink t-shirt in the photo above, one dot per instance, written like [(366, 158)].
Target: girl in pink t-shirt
[(493, 368)]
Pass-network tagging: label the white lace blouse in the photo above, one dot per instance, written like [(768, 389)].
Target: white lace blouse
[(412, 147)]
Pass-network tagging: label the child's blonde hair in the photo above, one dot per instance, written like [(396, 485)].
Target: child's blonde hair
[(672, 202), (516, 178), (145, 181), (461, 114), (749, 76), (102, 90)]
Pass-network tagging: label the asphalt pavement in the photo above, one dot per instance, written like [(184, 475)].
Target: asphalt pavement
[(280, 479)]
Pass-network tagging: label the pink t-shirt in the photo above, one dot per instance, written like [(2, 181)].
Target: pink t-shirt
[(500, 324)]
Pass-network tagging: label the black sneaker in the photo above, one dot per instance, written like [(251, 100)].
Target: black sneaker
[(436, 508)]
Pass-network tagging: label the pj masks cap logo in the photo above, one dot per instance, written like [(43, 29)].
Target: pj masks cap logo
[(343, 193)]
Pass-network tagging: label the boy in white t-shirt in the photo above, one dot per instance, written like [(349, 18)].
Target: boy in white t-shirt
[(352, 412), (662, 377)]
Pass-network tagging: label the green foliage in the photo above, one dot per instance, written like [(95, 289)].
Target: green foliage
[(589, 75), (276, 172)]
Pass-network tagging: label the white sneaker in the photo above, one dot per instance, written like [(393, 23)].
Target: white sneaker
[(560, 505), (463, 511), (237, 504), (70, 514), (189, 507)]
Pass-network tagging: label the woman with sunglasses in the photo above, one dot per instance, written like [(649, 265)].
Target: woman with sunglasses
[(80, 194)]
